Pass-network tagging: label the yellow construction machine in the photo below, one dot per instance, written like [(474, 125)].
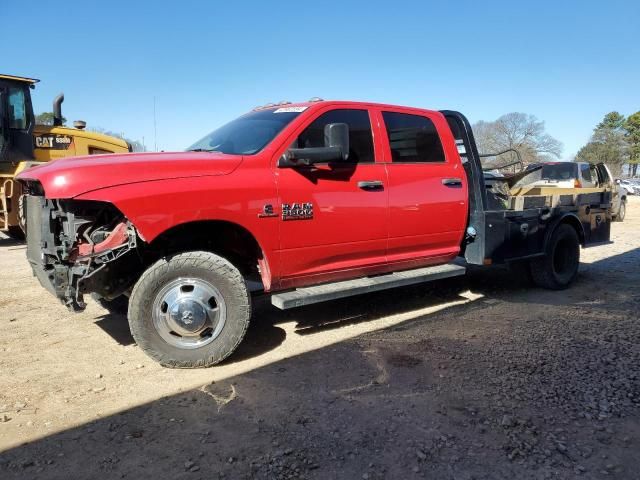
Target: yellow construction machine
[(24, 144)]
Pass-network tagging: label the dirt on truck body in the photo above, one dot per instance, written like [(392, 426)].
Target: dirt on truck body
[(306, 203)]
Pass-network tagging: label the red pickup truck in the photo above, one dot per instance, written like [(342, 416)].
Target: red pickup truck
[(305, 202)]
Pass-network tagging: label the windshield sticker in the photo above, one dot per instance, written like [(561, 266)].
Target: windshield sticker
[(290, 110)]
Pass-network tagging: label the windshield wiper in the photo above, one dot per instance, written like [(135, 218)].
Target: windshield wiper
[(204, 150)]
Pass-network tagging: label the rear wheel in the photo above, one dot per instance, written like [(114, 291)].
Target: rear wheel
[(559, 266), (190, 310)]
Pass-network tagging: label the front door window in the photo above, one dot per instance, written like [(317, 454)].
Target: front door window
[(17, 109)]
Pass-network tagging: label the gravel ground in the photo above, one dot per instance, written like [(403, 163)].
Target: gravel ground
[(478, 377)]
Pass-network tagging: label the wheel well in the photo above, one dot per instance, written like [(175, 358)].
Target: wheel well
[(226, 239), (575, 223)]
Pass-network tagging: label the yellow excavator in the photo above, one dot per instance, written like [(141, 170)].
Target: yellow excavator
[(24, 144)]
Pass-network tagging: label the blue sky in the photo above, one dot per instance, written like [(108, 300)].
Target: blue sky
[(207, 62)]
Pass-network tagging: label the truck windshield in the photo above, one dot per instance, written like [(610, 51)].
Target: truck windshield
[(559, 171), (248, 134)]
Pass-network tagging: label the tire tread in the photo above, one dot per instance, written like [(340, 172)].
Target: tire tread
[(151, 280)]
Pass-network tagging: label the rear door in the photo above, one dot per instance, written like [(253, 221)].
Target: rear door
[(588, 175), (606, 182), (428, 192), (334, 219)]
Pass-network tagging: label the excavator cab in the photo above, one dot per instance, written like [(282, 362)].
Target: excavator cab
[(16, 121), (16, 143)]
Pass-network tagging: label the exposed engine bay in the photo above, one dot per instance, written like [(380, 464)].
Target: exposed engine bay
[(73, 246)]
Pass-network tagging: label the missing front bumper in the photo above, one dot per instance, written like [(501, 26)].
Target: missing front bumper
[(60, 252)]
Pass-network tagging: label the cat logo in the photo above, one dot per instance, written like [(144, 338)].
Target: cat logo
[(55, 142)]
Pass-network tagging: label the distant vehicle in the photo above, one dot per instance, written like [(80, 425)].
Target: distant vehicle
[(618, 200), (632, 188), (580, 175), (563, 175)]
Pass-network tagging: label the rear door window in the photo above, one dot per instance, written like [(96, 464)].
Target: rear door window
[(413, 138), (585, 172), (559, 171)]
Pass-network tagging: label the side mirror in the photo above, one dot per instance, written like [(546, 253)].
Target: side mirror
[(336, 148)]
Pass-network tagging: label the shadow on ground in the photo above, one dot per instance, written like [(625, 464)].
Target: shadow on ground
[(525, 384)]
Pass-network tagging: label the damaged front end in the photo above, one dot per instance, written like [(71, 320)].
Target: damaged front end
[(76, 247)]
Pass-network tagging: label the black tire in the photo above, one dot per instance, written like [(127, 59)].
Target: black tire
[(622, 211), (117, 306), (15, 232), (559, 266), (205, 267)]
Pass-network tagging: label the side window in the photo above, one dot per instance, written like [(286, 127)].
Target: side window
[(413, 138), (360, 136), (17, 109), (585, 172)]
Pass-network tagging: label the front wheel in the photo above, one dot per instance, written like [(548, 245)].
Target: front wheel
[(190, 310), (559, 266)]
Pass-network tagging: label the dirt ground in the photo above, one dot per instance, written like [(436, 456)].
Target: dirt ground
[(477, 377)]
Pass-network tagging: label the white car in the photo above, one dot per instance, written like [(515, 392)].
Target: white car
[(629, 187)]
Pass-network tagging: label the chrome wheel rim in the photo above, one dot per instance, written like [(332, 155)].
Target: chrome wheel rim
[(189, 313)]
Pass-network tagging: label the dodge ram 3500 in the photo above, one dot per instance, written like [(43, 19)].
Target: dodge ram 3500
[(304, 202)]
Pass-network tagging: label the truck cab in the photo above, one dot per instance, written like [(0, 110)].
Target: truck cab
[(303, 202)]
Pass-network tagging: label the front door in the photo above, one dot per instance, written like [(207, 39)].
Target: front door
[(333, 222), (428, 198)]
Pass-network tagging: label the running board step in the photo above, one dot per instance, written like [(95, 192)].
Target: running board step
[(348, 288)]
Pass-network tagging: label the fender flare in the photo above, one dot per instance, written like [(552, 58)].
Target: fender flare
[(569, 218)]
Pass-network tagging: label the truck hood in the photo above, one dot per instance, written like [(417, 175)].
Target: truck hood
[(70, 177)]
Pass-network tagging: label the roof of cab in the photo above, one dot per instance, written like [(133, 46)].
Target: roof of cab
[(16, 78), (344, 103)]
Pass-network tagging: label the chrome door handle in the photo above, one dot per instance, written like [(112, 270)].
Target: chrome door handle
[(452, 182), (371, 185)]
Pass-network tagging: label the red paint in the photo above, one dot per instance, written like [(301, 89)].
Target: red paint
[(415, 220)]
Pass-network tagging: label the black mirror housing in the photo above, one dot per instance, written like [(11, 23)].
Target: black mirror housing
[(336, 135), (336, 141)]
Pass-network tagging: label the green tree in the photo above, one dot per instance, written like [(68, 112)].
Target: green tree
[(632, 126), (612, 121), (46, 118), (608, 144)]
